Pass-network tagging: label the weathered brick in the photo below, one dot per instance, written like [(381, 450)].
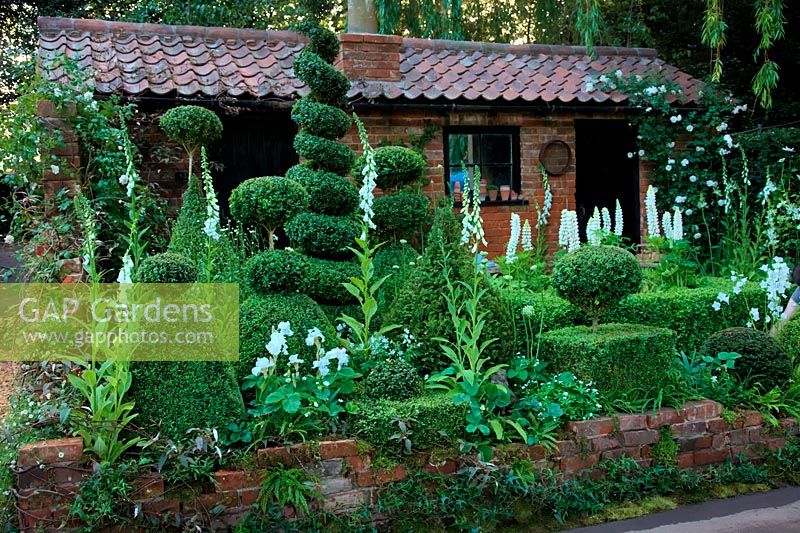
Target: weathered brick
[(639, 438), (370, 478), (357, 464), (332, 467), (692, 443), (751, 418), (148, 487), (248, 497), (701, 410), (449, 466), (790, 426), (737, 437), (685, 460), (207, 502), (567, 447), (595, 427), (228, 480), (34, 519), (600, 444), (161, 506), (336, 484), (775, 443), (666, 416), (50, 451), (347, 500), (717, 425), (273, 456), (576, 462), (710, 456), (755, 435), (632, 422), (689, 428), (634, 453), (338, 449)]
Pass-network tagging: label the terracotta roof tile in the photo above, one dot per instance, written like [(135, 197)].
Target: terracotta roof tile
[(189, 60)]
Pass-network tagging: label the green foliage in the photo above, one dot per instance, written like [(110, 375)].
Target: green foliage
[(595, 278), (398, 166), (175, 396), (560, 397), (788, 337), (329, 193), (277, 271), (689, 312), (293, 487), (392, 379), (421, 304), (323, 236), (191, 126), (104, 497), (167, 268), (320, 119), (268, 202), (535, 312), (328, 85), (324, 281), (324, 42), (402, 215), (763, 359), (434, 420), (324, 153), (665, 451), (616, 357), (188, 238), (260, 312), (396, 260)]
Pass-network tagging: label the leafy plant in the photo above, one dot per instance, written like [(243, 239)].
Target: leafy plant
[(294, 487), (104, 498)]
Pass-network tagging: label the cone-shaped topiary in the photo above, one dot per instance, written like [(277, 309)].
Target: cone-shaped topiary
[(188, 238), (269, 202), (595, 278)]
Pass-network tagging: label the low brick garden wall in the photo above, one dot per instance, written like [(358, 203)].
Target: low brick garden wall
[(49, 472)]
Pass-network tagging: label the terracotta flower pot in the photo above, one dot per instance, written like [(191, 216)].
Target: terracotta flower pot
[(505, 192), (482, 190)]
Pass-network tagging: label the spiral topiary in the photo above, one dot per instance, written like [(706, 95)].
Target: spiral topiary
[(324, 281), (166, 268), (321, 119), (402, 215), (595, 278), (329, 193), (762, 360), (276, 271), (327, 84), (269, 202), (323, 236), (397, 166), (324, 153)]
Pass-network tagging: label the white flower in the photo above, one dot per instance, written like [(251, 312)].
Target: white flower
[(568, 231), (322, 366), (641, 153), (527, 241), (754, 314), (711, 183), (684, 162), (699, 149), (294, 359), (693, 178), (513, 239), (588, 87), (716, 306), (630, 155), (668, 168), (724, 298), (689, 128), (606, 218), (722, 127), (285, 328), (652, 212), (403, 241), (728, 140), (680, 199), (677, 225), (54, 169), (787, 149), (721, 203), (675, 119), (697, 235), (671, 144), (618, 73), (713, 379), (9, 239), (689, 212), (277, 344), (666, 224), (212, 223), (262, 364), (126, 272), (618, 220), (370, 175), (594, 226), (739, 108), (313, 335)]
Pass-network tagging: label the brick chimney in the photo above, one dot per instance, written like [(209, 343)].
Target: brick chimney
[(369, 56)]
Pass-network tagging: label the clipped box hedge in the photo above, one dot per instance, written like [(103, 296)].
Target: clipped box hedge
[(617, 357), (548, 311), (689, 312), (433, 419)]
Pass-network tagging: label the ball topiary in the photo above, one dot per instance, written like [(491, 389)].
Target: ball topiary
[(402, 215), (324, 153), (268, 202), (321, 119), (596, 278), (324, 281), (329, 193), (762, 359), (396, 165), (327, 84), (392, 379), (276, 271), (258, 315), (191, 126), (323, 235), (788, 337), (166, 268)]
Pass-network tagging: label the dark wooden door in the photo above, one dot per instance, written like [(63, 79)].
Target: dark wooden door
[(254, 143)]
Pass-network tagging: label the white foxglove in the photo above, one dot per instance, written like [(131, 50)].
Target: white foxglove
[(212, 225), (369, 175), (527, 240), (618, 221), (513, 239), (666, 224), (652, 212), (126, 272), (677, 225)]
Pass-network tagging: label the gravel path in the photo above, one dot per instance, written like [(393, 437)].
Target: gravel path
[(8, 372)]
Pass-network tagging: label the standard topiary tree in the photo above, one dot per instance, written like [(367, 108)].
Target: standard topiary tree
[(191, 126), (167, 268), (268, 202), (762, 359), (596, 278)]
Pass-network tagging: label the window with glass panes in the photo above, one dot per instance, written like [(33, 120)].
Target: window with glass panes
[(495, 150)]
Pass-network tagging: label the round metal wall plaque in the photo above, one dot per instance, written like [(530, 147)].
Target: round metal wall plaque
[(555, 157)]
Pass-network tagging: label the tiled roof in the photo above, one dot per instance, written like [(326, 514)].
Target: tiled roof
[(138, 59)]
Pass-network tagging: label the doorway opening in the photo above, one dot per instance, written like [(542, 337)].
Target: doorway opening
[(605, 173)]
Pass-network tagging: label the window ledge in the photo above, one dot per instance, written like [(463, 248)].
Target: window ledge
[(490, 203)]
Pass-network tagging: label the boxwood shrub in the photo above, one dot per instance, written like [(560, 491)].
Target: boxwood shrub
[(180, 395), (392, 379), (689, 312), (762, 359), (191, 126), (276, 271), (321, 119), (329, 193), (323, 236), (397, 166), (324, 42), (324, 153), (789, 337), (166, 268), (433, 419), (395, 260), (547, 311), (618, 357), (402, 215), (258, 315), (188, 238), (323, 280), (268, 202), (327, 84)]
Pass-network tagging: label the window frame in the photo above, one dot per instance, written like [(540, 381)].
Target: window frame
[(514, 131)]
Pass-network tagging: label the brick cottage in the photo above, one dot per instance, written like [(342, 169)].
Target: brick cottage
[(509, 109)]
